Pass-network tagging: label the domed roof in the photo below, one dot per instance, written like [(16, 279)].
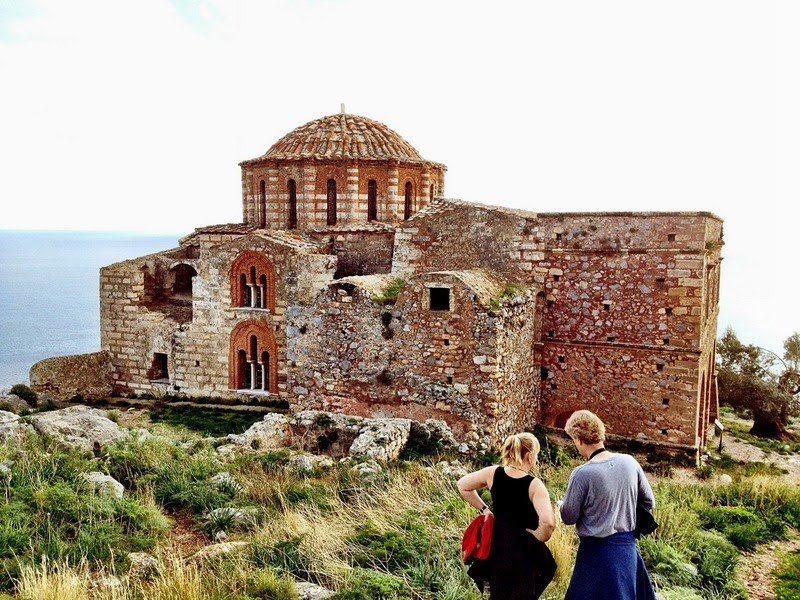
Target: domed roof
[(342, 136)]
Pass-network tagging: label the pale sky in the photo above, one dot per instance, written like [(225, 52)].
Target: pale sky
[(133, 115)]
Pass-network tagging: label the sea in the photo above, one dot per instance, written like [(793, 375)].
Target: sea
[(49, 292)]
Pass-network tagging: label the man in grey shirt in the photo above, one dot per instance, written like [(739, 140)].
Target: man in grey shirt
[(602, 494), (600, 501)]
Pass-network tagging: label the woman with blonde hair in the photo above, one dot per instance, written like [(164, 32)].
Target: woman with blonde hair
[(519, 566), (600, 501)]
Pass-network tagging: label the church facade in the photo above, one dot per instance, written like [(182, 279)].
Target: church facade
[(353, 285)]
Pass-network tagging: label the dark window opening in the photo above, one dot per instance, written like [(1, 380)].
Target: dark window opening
[(670, 237), (668, 310), (262, 204), (407, 205), (372, 200), (439, 298), (611, 338), (553, 386), (660, 366), (449, 379), (562, 358), (158, 368), (664, 431), (551, 333), (292, 204), (607, 306), (666, 341), (197, 363), (665, 402), (243, 370), (550, 303), (544, 373), (556, 277), (432, 191), (446, 342), (558, 237), (331, 202), (660, 281)]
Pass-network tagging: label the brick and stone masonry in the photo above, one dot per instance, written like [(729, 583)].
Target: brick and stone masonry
[(351, 285)]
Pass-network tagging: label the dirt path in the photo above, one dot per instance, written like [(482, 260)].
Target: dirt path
[(757, 567)]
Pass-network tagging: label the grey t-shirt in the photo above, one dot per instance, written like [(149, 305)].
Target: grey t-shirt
[(601, 496)]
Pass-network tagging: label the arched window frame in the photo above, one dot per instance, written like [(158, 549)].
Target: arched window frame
[(247, 370), (372, 200), (291, 187), (408, 200), (253, 291), (262, 203), (332, 201)]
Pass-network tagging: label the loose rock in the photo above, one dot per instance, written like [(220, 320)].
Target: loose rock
[(312, 591), (79, 427), (104, 484), (382, 439), (143, 565)]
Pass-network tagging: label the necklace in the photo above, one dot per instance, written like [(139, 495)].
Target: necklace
[(595, 453)]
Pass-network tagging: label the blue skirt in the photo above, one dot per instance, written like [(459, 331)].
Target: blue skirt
[(610, 568)]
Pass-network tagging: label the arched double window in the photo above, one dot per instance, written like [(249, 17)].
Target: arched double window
[(262, 204), (253, 281), (253, 364), (372, 200), (331, 202), (408, 200), (292, 189)]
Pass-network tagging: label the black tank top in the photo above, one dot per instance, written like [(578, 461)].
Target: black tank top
[(511, 501)]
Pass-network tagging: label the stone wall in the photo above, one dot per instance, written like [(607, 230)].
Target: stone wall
[(354, 355), (85, 375), (362, 250), (197, 346), (612, 282)]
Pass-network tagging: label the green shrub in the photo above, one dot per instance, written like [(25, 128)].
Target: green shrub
[(367, 584), (265, 584), (286, 557), (390, 292), (680, 593), (667, 566), (717, 560), (25, 393), (787, 577), (392, 550)]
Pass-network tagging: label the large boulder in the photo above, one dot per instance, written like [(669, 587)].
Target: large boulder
[(272, 433), (143, 565), (11, 426), (382, 439), (104, 484), (304, 464), (89, 376), (79, 427), (321, 432), (14, 402)]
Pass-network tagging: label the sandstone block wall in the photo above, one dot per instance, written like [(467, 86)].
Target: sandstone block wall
[(351, 354), (645, 284)]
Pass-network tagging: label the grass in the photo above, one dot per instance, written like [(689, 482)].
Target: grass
[(208, 422), (787, 577), (511, 290), (390, 292), (393, 536)]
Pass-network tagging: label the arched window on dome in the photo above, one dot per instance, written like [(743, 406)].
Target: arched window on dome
[(331, 202), (262, 204), (372, 200), (433, 187), (408, 200), (292, 188)]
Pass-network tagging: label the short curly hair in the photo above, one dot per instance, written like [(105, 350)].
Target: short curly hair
[(586, 427)]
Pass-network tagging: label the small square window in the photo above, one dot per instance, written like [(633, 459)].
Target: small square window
[(606, 306), (659, 366), (562, 358), (556, 277), (612, 338), (449, 379), (666, 341), (446, 342), (553, 386), (668, 310), (197, 363), (551, 334), (660, 281), (664, 431), (550, 303), (558, 237), (440, 298), (665, 402), (158, 368), (670, 237), (544, 373)]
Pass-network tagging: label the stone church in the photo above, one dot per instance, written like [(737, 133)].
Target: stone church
[(353, 285)]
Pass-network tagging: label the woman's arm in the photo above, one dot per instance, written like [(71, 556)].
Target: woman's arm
[(471, 482), (573, 500), (645, 491), (544, 508)]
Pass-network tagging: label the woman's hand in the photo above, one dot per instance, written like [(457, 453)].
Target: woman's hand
[(487, 513)]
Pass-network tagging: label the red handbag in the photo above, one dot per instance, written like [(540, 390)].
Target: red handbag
[(477, 539)]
